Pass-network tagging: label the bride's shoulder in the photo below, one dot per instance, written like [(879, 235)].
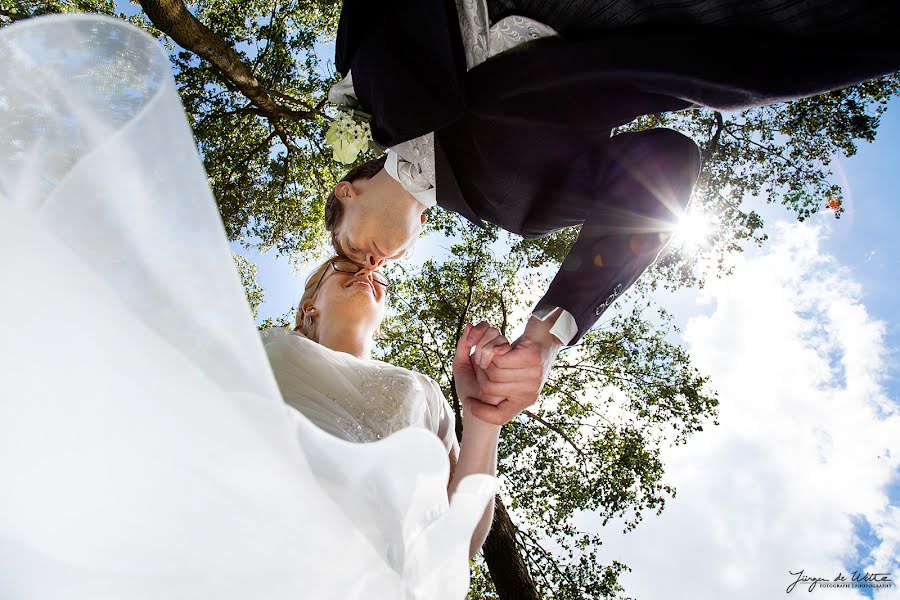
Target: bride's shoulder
[(277, 333), (284, 338)]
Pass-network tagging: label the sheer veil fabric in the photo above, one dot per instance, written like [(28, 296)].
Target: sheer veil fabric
[(145, 451)]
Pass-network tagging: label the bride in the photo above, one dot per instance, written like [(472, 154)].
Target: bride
[(324, 370), (145, 448)]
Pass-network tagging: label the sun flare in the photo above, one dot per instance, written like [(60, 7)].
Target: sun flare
[(693, 230)]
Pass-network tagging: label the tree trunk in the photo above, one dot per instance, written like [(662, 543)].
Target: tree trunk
[(505, 563)]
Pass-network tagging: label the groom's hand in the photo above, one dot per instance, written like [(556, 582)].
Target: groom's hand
[(518, 375)]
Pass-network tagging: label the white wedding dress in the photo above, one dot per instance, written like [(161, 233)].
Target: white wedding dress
[(145, 449)]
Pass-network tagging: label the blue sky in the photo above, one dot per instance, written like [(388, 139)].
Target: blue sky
[(868, 244), (866, 240)]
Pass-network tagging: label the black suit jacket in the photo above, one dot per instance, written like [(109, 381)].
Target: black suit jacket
[(409, 67)]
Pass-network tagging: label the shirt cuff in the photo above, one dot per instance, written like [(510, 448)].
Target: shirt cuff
[(427, 197), (565, 327)]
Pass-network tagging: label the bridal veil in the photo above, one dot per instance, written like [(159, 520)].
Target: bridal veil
[(145, 451)]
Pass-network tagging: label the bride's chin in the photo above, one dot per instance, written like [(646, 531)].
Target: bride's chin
[(361, 302)]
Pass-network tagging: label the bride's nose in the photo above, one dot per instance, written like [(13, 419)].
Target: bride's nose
[(365, 273)]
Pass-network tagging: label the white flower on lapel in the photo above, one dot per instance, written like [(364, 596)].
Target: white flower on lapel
[(347, 138)]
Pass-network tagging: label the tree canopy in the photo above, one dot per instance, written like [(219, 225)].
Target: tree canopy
[(253, 78)]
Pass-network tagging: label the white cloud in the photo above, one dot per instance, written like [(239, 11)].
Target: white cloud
[(808, 439)]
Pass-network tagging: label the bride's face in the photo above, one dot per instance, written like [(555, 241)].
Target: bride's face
[(351, 297)]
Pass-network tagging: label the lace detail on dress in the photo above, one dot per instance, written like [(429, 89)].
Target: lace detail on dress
[(358, 400), (390, 395)]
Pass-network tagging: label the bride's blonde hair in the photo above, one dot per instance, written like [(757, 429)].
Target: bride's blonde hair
[(303, 323)]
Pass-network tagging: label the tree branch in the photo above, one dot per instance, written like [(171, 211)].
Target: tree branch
[(457, 405), (173, 18), (505, 312), (534, 565), (262, 145), (767, 149), (426, 355), (434, 340), (555, 430), (462, 316), (282, 133), (713, 146), (306, 108), (548, 556), (457, 408), (261, 55), (588, 409), (214, 115)]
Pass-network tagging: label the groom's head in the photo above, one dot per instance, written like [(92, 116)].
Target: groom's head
[(372, 219)]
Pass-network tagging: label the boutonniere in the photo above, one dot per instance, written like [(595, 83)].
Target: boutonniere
[(349, 135)]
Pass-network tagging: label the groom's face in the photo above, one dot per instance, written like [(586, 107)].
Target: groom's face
[(380, 220)]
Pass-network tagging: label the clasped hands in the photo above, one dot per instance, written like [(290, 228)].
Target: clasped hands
[(496, 380)]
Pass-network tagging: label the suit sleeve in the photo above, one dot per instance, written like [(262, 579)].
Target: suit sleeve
[(639, 196)]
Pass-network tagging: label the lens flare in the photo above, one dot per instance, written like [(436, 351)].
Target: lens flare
[(693, 230)]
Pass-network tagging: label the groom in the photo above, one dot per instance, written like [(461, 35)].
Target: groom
[(523, 139)]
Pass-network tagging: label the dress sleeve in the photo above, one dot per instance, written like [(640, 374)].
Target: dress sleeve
[(443, 417)]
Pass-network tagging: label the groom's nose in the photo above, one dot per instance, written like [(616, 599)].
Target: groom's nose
[(374, 261)]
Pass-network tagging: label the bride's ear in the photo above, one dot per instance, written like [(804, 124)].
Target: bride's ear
[(306, 323)]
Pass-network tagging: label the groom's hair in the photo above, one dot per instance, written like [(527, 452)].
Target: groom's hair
[(334, 210)]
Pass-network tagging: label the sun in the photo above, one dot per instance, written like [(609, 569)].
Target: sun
[(692, 230)]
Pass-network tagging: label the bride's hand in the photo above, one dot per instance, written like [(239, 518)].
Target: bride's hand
[(475, 351)]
